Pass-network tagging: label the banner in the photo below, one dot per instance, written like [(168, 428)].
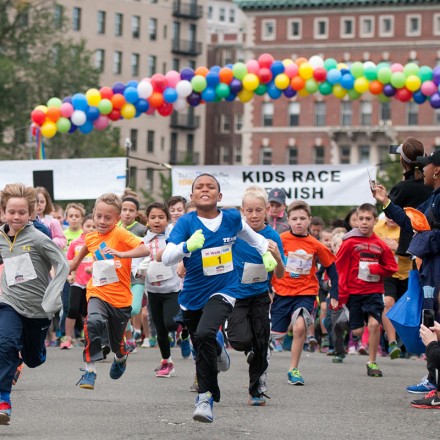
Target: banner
[(318, 185), (73, 179)]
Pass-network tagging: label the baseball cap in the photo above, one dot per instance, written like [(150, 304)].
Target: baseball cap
[(433, 158), (277, 195)]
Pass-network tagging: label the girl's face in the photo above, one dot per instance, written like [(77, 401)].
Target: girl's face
[(74, 217), (88, 226), (176, 211), (254, 211), (299, 221), (17, 214), (129, 213), (276, 209), (41, 204), (157, 220)]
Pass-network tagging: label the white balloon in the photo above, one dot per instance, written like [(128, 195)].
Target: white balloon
[(78, 118), (184, 88), (144, 89), (180, 104), (369, 64), (316, 61)]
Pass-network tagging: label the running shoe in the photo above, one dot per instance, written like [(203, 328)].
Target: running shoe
[(145, 343), (203, 411), (325, 344), (257, 400), (153, 341), (17, 373), (5, 412), (294, 377), (276, 345), (66, 343), (105, 351), (195, 386), (185, 347), (287, 341), (223, 359), (421, 388), (394, 350), (373, 370), (118, 368), (166, 369), (338, 359), (363, 350), (130, 346), (87, 380), (430, 401), (313, 343)]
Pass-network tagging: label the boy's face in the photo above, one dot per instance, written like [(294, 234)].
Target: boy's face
[(254, 211), (17, 214), (205, 193), (299, 221), (88, 226), (105, 217), (74, 218), (58, 215), (276, 209), (176, 211), (128, 213), (326, 239), (366, 222)]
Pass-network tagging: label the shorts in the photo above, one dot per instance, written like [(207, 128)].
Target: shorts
[(363, 306), (395, 287), (287, 309)]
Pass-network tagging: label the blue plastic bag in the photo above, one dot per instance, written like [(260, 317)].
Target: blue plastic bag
[(406, 315)]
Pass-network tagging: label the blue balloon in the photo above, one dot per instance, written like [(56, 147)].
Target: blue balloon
[(86, 128), (215, 69), (79, 101), (170, 95), (132, 84), (212, 79), (118, 87), (235, 85), (131, 95), (142, 105), (209, 94), (273, 91), (231, 97), (92, 113), (73, 128), (347, 81), (419, 97), (388, 90), (333, 76), (289, 92), (187, 73), (276, 68)]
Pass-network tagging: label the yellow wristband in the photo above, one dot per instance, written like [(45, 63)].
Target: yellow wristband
[(386, 206)]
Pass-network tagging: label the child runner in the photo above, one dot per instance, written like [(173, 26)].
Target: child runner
[(177, 208), (108, 291), (248, 326), (276, 212), (295, 293), (362, 261), (28, 300), (205, 238)]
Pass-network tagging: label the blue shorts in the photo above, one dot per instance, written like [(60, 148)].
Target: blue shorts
[(362, 306), (284, 309)]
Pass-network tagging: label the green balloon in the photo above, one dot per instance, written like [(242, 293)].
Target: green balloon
[(222, 90), (311, 86), (198, 83), (398, 80), (330, 63), (411, 69), (105, 106), (384, 75), (239, 70), (425, 73), (383, 98), (357, 69), (382, 64), (352, 94), (63, 125), (261, 90), (325, 88), (54, 102), (370, 73)]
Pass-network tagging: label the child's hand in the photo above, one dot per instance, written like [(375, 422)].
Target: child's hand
[(436, 329), (427, 335), (114, 252), (71, 278), (334, 303), (89, 270), (180, 270)]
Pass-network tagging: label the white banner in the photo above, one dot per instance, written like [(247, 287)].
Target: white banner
[(73, 179), (318, 185)]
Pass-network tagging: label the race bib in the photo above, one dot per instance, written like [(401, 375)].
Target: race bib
[(299, 263), (217, 260), (158, 272), (104, 272), (364, 272), (19, 269), (253, 273)]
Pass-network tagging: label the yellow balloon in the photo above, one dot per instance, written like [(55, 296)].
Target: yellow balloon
[(93, 97), (287, 62), (43, 108), (303, 92), (305, 71), (413, 83), (282, 81), (361, 85), (339, 91), (245, 95), (49, 129), (250, 82), (128, 111)]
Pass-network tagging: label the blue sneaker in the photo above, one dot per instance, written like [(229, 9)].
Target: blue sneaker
[(5, 412), (118, 369), (87, 380), (223, 360), (294, 377), (287, 342), (185, 348), (424, 387), (203, 411), (257, 400)]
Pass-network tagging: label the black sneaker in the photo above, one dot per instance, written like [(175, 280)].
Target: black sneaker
[(373, 370), (430, 401)]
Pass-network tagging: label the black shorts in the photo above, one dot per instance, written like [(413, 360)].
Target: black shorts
[(363, 306), (395, 287)]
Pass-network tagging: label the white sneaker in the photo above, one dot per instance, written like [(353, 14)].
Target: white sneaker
[(146, 343), (203, 411)]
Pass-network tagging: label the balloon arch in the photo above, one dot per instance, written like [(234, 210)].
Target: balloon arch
[(174, 91)]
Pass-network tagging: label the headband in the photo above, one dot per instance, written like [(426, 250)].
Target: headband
[(403, 155), (132, 200)]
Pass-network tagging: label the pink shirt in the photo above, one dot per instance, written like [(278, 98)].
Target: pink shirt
[(56, 230), (81, 276)]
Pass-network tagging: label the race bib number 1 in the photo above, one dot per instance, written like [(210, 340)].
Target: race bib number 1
[(217, 260)]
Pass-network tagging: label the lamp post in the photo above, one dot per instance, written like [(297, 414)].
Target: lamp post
[(128, 145)]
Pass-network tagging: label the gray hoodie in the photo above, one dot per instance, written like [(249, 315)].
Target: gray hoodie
[(39, 297)]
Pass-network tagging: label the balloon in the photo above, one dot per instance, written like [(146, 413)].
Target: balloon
[(142, 105), (117, 101), (396, 67), (128, 111), (172, 77), (180, 104), (436, 75), (245, 95), (276, 68), (305, 71), (235, 86), (376, 87), (370, 72), (419, 97), (79, 101), (186, 74), (261, 90), (212, 79), (231, 97), (105, 106), (352, 94), (38, 116), (357, 69), (311, 86), (159, 82), (250, 82), (347, 81), (118, 87), (144, 89), (339, 91), (253, 66), (291, 70), (106, 92), (79, 118), (132, 83), (239, 70), (434, 100), (66, 109), (155, 100), (289, 92), (320, 74), (92, 113), (389, 90), (428, 88), (334, 76), (265, 75), (131, 95), (43, 108), (194, 99), (93, 97), (325, 88), (183, 88), (361, 85), (382, 98), (54, 102), (63, 125), (170, 95), (297, 83), (413, 83), (265, 60), (226, 75), (49, 129), (330, 63), (384, 75), (202, 71), (101, 123), (301, 60), (403, 94), (222, 90), (411, 69), (397, 80), (208, 94), (282, 81), (316, 61), (86, 128), (114, 115), (273, 91), (425, 73), (198, 83), (165, 109)]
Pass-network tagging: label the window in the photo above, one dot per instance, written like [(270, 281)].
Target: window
[(364, 154), (366, 28), (436, 116), (136, 26), (320, 28), (133, 177), (175, 64), (237, 154), (119, 19), (294, 29), (413, 25), (344, 154), (231, 15), (152, 28), (319, 154), (173, 149), (347, 27), (238, 122), (135, 64), (294, 110), (225, 157), (117, 62), (292, 156), (366, 108), (190, 147), (267, 113), (58, 16), (412, 111), (100, 59), (210, 11), (149, 184), (266, 156), (385, 111), (346, 112), (134, 139), (436, 24), (225, 121), (227, 55), (76, 19), (150, 141), (320, 113), (268, 30), (386, 26), (151, 65), (101, 22), (222, 14)]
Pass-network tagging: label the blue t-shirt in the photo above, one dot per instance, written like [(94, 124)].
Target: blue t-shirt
[(244, 253), (198, 287)]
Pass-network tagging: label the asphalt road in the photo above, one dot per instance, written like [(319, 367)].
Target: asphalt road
[(339, 401)]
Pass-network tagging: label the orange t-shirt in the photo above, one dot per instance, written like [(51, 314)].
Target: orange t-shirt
[(300, 268), (117, 294)]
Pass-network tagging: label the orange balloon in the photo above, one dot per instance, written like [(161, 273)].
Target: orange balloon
[(297, 83), (156, 99), (118, 101), (376, 87), (301, 60), (202, 70), (53, 113), (226, 75)]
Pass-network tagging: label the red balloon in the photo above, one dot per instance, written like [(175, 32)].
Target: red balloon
[(114, 115), (165, 109), (106, 92), (403, 94), (265, 75), (265, 60), (159, 82), (320, 74), (38, 116)]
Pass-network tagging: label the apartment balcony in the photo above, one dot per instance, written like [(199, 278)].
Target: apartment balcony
[(191, 11), (184, 121), (185, 47), (184, 158)]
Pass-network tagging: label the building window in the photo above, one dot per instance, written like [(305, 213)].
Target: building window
[(173, 149), (149, 184), (294, 110), (100, 59), (225, 158), (237, 154), (436, 117), (175, 64), (366, 109), (344, 154), (320, 113), (238, 122), (366, 27), (133, 177), (412, 111), (347, 27), (76, 19), (210, 11), (136, 26), (133, 139), (268, 28), (150, 141), (266, 156), (320, 28), (152, 28), (135, 64), (101, 22), (190, 147), (119, 19), (227, 55), (225, 121), (364, 154), (346, 112), (436, 24), (267, 111), (413, 25), (231, 15), (292, 156), (58, 16), (386, 26), (222, 15), (117, 62), (294, 29), (319, 153), (385, 111), (151, 65)]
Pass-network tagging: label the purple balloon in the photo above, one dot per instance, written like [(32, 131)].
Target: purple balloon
[(118, 87), (186, 73), (436, 75), (194, 99), (68, 99), (434, 100), (289, 92), (73, 128), (389, 90), (235, 85)]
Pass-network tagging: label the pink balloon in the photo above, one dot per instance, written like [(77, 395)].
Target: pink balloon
[(428, 88), (396, 67), (66, 109), (173, 78), (291, 70), (253, 66), (101, 123)]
